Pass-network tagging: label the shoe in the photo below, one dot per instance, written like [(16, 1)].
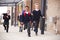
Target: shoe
[(36, 34), (25, 28), (7, 31), (29, 35), (20, 30), (4, 28)]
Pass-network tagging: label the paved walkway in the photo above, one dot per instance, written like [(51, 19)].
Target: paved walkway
[(14, 34)]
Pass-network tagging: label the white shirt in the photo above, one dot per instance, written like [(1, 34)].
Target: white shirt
[(26, 12), (37, 9)]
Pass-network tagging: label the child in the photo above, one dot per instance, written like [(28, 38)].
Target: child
[(21, 23), (27, 20)]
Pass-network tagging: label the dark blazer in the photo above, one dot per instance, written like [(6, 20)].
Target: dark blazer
[(36, 15), (26, 17), (6, 19)]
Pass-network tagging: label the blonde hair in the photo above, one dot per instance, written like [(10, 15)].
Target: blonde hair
[(36, 4)]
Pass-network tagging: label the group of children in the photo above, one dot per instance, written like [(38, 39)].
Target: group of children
[(26, 18)]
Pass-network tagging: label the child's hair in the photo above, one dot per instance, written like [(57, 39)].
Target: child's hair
[(27, 6), (36, 4)]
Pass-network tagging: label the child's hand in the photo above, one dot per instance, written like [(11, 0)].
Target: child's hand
[(43, 17), (21, 22)]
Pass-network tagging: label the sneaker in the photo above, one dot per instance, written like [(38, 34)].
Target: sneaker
[(29, 35), (36, 34), (20, 30)]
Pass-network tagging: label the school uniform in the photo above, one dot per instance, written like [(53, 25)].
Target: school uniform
[(27, 20), (36, 19)]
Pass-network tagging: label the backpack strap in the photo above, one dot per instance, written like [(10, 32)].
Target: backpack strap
[(24, 13)]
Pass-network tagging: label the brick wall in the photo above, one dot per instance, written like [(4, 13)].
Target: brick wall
[(28, 3), (36, 1), (53, 9)]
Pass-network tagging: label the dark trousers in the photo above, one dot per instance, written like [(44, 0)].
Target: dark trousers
[(6, 26), (27, 26), (36, 24)]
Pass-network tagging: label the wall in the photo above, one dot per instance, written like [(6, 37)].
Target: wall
[(36, 1), (53, 9), (28, 3)]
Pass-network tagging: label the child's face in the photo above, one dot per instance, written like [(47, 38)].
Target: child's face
[(8, 12), (26, 8), (36, 6)]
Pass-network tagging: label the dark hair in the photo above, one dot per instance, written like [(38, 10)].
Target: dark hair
[(27, 6), (4, 14)]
